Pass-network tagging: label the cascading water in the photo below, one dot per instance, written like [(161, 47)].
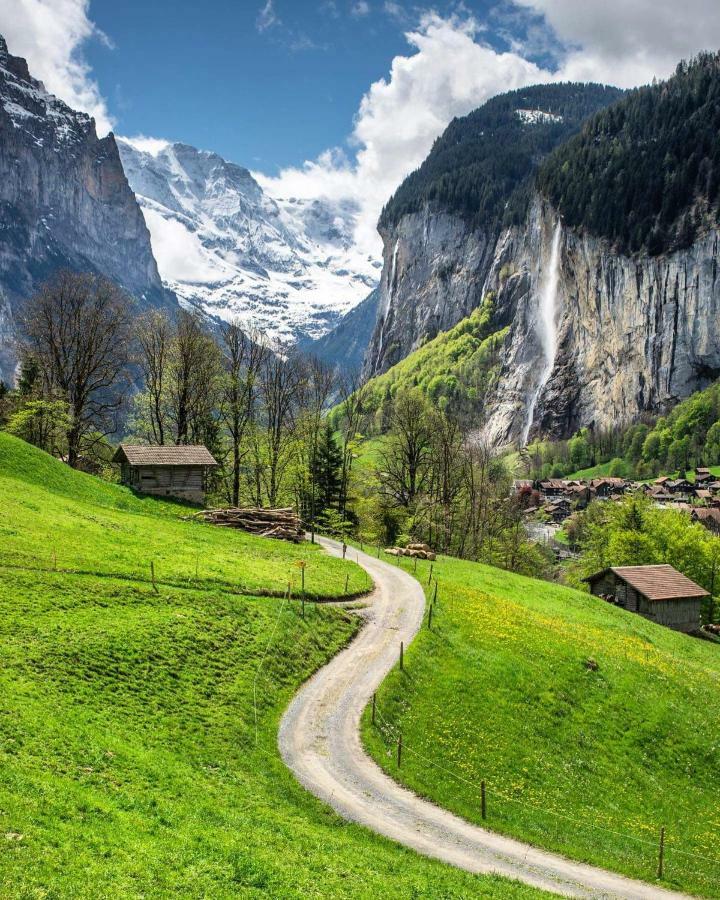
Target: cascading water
[(547, 327)]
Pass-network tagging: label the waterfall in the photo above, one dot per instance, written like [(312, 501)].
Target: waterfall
[(546, 327)]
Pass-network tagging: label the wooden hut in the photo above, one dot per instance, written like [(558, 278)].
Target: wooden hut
[(659, 593), (166, 471)]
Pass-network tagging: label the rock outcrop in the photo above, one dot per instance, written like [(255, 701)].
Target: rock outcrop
[(634, 334), (64, 202)]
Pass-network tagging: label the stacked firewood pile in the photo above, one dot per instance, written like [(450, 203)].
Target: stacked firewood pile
[(283, 524), (419, 551)]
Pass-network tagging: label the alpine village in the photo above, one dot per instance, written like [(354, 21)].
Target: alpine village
[(359, 517)]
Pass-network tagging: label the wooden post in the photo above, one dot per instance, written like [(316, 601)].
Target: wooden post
[(661, 857), (430, 617), (435, 592), (373, 708), (344, 549), (302, 580), (399, 750), (152, 576), (483, 802), (402, 661), (347, 578), (415, 566), (430, 575)]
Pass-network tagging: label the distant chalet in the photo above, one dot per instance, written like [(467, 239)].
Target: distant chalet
[(659, 593), (165, 471)]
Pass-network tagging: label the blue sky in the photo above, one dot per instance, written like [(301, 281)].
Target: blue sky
[(334, 99), (265, 86)]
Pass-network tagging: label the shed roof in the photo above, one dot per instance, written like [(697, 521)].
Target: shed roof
[(661, 582), (144, 455)]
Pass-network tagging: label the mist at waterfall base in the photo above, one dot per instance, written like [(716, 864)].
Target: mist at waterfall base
[(546, 325)]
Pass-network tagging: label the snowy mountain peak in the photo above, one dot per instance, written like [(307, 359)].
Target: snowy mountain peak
[(285, 266)]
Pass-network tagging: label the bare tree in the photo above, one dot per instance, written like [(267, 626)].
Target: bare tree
[(244, 356), (77, 328), (154, 334), (193, 381), (279, 380), (405, 464)]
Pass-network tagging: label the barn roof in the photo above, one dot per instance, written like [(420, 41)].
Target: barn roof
[(660, 582), (144, 455)]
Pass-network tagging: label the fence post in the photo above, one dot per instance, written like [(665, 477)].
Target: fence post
[(430, 575), (435, 592), (401, 657), (661, 856), (483, 801), (344, 549), (399, 750), (152, 576), (347, 577), (415, 566), (373, 709), (430, 618)]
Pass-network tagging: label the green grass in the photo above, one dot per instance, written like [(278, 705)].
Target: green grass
[(138, 728), (588, 762)]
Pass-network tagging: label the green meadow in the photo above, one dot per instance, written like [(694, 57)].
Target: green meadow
[(592, 727), (138, 721)]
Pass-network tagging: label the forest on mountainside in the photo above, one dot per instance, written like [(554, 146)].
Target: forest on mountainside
[(645, 172), (480, 167), (688, 436)]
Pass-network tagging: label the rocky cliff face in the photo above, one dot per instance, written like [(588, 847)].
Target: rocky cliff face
[(633, 334), (64, 202), (434, 269), (629, 335)]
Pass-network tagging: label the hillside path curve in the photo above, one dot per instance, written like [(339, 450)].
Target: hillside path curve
[(319, 741)]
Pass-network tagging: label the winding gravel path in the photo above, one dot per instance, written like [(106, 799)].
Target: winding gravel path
[(320, 742)]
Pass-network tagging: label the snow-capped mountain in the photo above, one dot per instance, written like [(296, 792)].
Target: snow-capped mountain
[(288, 267)]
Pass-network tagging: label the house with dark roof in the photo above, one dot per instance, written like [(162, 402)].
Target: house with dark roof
[(166, 471), (659, 593)]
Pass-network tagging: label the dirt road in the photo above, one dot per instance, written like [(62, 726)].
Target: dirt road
[(320, 742)]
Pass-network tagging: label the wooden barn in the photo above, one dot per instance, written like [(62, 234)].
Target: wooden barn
[(659, 593), (166, 471)]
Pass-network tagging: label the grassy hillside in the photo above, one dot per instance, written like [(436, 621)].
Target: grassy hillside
[(138, 728), (591, 726), (453, 369)]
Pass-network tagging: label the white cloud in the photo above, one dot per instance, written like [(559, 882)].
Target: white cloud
[(180, 255), (449, 74), (627, 42), (360, 9), (267, 17), (50, 35), (146, 144)]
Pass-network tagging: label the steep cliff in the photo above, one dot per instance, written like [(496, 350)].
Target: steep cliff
[(440, 230), (604, 276), (64, 202), (633, 334)]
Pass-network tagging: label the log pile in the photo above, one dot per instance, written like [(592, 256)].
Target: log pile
[(418, 551), (282, 524)]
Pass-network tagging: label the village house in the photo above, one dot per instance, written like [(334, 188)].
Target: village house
[(659, 593), (703, 476), (710, 518), (165, 471), (604, 487)]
